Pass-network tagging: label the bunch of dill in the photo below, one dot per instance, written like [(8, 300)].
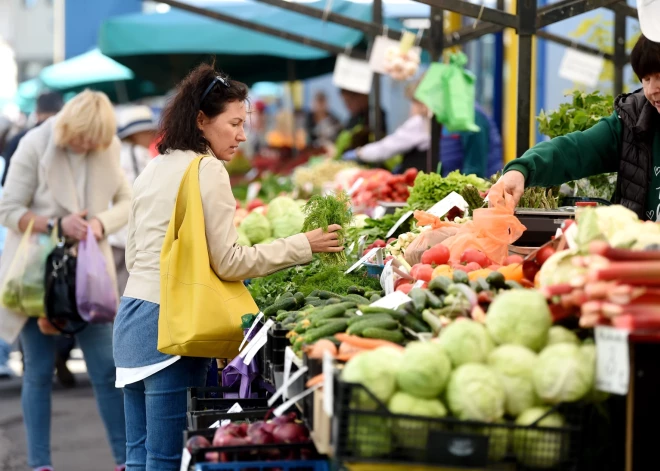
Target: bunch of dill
[(324, 211)]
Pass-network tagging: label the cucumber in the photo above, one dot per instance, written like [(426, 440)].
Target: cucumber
[(289, 320), (379, 310), (510, 284), (394, 336), (374, 298), (288, 294), (302, 326), (300, 299), (461, 277), (356, 290), (355, 320), (496, 280), (439, 284), (327, 330), (432, 300), (285, 304), (358, 327), (335, 310), (317, 303), (322, 322), (355, 298), (327, 294), (415, 324), (333, 301), (313, 294), (371, 293), (418, 296), (284, 314)]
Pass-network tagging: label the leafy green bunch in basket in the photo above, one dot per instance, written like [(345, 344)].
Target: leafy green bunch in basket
[(324, 211)]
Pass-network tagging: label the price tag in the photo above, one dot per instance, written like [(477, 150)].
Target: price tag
[(379, 52), (580, 67), (363, 260), (256, 321), (257, 343), (185, 459), (350, 249), (361, 242), (328, 386), (612, 360), (452, 200), (570, 234), (351, 74), (358, 183), (418, 284), (387, 279), (393, 301), (288, 362), (401, 220), (253, 191), (252, 174), (379, 212), (235, 409), (284, 407)]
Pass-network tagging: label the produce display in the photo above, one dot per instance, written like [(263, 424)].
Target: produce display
[(381, 186), (324, 211)]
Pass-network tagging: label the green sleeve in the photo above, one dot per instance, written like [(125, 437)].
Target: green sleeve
[(576, 155), (476, 146)]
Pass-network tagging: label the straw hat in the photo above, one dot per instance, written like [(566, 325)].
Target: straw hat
[(134, 119)]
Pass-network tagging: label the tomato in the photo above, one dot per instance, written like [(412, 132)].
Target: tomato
[(437, 255), (405, 288), (513, 259), (495, 267), (472, 255), (378, 243), (472, 266), (421, 271), (530, 269), (544, 254), (458, 266)]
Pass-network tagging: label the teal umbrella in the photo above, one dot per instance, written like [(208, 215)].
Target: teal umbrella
[(165, 47), (27, 93)]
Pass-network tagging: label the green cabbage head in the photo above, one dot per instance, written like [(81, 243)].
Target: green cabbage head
[(589, 351), (559, 334), (540, 449), (403, 403), (466, 341), (285, 216), (603, 223), (426, 370), (515, 365), (376, 370), (256, 227), (520, 317), (475, 392), (563, 374)]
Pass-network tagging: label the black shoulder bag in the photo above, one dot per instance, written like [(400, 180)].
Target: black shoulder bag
[(60, 293)]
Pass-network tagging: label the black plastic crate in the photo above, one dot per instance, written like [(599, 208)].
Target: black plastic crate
[(212, 398), (276, 345), (198, 420), (365, 431), (314, 368)]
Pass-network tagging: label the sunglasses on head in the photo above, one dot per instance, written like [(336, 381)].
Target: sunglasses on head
[(217, 79)]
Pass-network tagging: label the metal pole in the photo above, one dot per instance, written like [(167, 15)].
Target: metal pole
[(377, 117), (619, 51), (437, 45), (526, 30), (498, 79)]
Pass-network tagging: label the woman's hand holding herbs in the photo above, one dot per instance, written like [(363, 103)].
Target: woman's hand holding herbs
[(322, 241)]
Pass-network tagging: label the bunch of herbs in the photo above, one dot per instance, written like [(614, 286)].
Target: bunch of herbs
[(324, 211)]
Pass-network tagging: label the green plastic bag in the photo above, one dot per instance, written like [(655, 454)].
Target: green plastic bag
[(448, 91)]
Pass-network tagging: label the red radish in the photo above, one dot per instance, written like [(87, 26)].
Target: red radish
[(436, 255), (513, 260), (391, 239), (530, 269), (212, 457), (472, 255), (472, 266), (228, 440), (544, 254), (379, 243)]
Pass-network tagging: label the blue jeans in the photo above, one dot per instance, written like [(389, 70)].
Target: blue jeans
[(39, 356), (156, 415), (5, 348)]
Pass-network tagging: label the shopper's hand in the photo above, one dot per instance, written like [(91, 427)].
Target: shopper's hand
[(512, 183), (97, 228), (75, 226), (350, 155), (321, 241)]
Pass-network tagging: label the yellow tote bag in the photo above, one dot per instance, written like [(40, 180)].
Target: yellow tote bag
[(200, 315)]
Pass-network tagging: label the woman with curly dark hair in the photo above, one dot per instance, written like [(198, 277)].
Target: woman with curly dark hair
[(205, 117)]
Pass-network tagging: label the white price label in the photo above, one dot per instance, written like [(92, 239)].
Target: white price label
[(363, 260), (235, 409), (452, 200), (287, 405), (580, 67), (256, 321), (570, 234), (351, 74), (387, 279), (379, 212), (418, 284), (393, 301), (358, 183), (379, 52), (361, 242), (185, 459), (328, 392), (401, 220), (257, 343), (253, 191), (612, 360)]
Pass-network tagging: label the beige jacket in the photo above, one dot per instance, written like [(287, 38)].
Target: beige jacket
[(40, 180), (155, 192)]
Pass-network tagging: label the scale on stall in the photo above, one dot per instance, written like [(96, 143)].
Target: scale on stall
[(541, 224)]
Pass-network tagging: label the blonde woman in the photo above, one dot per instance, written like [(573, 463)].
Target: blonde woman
[(66, 170)]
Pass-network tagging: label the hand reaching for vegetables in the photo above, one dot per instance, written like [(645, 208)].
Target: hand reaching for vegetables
[(321, 241), (512, 183)]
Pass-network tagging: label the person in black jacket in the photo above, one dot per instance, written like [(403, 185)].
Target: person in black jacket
[(48, 104)]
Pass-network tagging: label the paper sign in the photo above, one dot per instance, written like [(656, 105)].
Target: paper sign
[(581, 67), (401, 220), (328, 390), (418, 284), (363, 260), (379, 51), (235, 409), (379, 212), (284, 407), (612, 360), (253, 191), (452, 200), (570, 234), (257, 343), (387, 278), (256, 321), (358, 183), (351, 74), (393, 301), (185, 459)]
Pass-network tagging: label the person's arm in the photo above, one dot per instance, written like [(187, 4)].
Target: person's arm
[(573, 156), (130, 250), (476, 148), (9, 151), (116, 216), (408, 136), (230, 261)]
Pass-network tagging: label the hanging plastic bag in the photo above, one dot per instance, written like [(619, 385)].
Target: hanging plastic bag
[(490, 231), (23, 287), (448, 91), (96, 296)]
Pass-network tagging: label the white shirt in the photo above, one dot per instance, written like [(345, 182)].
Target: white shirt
[(414, 133)]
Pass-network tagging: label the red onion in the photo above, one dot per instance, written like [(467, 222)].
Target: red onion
[(290, 433), (195, 443)]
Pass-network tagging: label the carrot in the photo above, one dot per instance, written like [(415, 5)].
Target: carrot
[(318, 379), (367, 344), (349, 356), (345, 348)]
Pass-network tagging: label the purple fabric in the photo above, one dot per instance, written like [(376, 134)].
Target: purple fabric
[(96, 295), (238, 373)]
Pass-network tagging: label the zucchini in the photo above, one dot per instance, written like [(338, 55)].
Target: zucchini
[(461, 277), (496, 280), (415, 324), (327, 294), (418, 296), (300, 299), (374, 298), (358, 327), (394, 336), (357, 319), (439, 284), (285, 304), (432, 300), (327, 330), (356, 290)]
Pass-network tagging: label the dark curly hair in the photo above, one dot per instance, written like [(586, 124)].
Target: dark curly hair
[(178, 124), (645, 58)]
